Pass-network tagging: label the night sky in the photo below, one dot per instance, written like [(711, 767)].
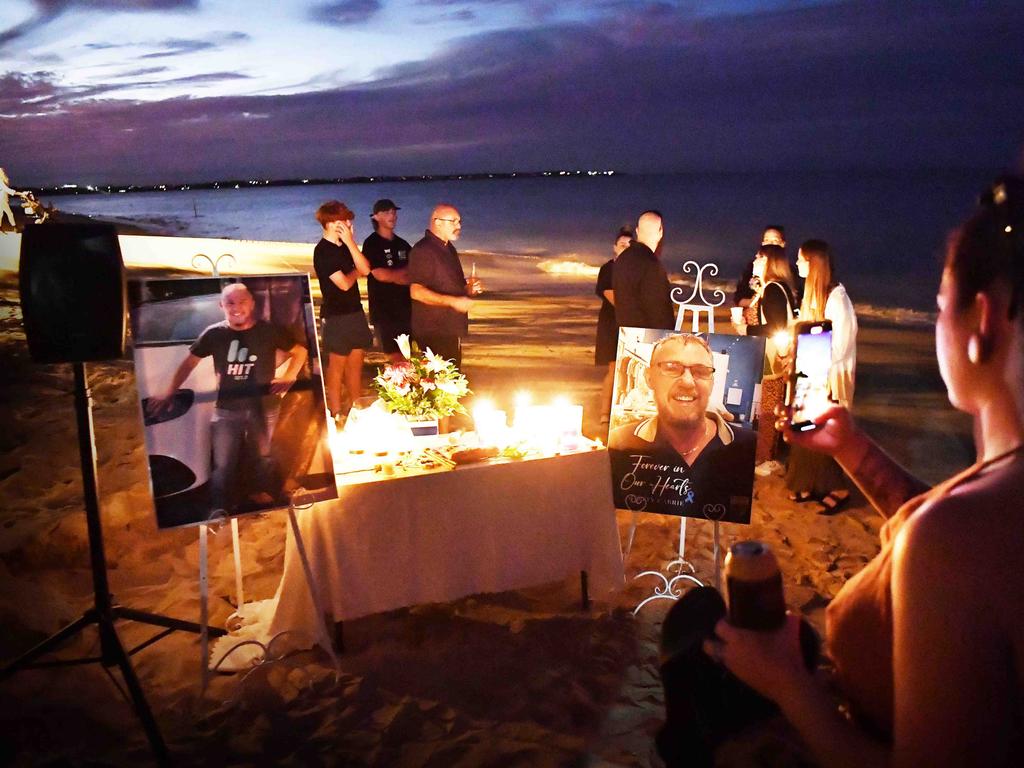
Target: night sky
[(193, 90)]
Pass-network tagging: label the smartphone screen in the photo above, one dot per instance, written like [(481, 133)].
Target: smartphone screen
[(808, 387)]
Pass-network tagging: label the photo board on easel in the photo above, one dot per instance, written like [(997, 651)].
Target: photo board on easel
[(682, 436), (230, 388)]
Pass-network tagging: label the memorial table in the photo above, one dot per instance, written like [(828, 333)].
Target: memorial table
[(436, 536)]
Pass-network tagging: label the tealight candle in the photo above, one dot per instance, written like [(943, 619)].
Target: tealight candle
[(491, 425)]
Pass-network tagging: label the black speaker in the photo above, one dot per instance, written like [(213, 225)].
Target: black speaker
[(73, 298)]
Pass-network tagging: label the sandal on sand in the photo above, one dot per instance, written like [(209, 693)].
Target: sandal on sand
[(835, 501), (801, 497)]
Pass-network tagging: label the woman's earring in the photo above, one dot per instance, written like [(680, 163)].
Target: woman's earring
[(974, 349)]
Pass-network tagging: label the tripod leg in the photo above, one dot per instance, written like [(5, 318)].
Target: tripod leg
[(156, 741), (26, 659), (121, 612)]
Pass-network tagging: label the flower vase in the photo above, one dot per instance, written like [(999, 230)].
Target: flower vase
[(422, 427)]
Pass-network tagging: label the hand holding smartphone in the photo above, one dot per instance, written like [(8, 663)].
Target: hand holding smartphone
[(807, 393)]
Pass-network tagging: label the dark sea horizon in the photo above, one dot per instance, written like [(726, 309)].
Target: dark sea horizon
[(887, 228)]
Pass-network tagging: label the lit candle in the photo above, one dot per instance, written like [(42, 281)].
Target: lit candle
[(491, 424), (568, 420), (782, 341)]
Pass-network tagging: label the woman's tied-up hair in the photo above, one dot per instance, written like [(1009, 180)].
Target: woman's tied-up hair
[(989, 248)]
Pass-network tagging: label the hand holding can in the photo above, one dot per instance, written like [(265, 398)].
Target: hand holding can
[(754, 587)]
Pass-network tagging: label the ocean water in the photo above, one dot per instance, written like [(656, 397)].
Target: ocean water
[(887, 229)]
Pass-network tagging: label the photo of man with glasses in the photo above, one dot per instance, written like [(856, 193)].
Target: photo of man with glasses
[(441, 293), (690, 458)]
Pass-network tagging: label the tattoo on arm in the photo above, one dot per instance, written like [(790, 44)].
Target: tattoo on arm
[(886, 484)]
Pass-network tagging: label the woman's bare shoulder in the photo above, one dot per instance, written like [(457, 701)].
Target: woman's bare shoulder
[(979, 524)]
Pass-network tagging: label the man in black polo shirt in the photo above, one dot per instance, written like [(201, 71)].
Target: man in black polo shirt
[(439, 289), (640, 282), (388, 282)]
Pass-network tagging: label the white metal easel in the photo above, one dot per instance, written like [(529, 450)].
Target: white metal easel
[(697, 305), (204, 588)]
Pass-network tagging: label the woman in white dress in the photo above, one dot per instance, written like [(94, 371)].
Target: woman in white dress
[(813, 476)]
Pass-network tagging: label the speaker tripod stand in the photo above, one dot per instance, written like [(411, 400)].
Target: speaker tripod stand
[(104, 611)]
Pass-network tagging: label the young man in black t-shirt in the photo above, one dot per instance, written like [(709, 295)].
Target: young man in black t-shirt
[(244, 352), (345, 333), (388, 283)]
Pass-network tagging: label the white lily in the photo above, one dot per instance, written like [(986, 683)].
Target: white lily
[(402, 340), (435, 363), (450, 387)]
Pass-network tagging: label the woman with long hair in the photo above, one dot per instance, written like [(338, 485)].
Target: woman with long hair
[(774, 297), (826, 299), (772, 307), (809, 475), (928, 639), (743, 294)]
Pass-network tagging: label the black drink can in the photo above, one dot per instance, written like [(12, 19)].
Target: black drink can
[(754, 587)]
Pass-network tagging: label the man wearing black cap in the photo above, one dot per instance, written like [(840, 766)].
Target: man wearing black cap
[(388, 283)]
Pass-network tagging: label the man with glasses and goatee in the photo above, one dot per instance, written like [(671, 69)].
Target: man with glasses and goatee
[(699, 458), (439, 287)]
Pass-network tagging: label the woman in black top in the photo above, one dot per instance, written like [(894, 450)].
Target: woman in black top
[(774, 301), (772, 305), (607, 329), (345, 333)]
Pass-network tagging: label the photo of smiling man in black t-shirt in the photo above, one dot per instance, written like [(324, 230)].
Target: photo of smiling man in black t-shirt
[(244, 352)]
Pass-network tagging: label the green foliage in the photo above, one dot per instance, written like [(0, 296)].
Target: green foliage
[(425, 385)]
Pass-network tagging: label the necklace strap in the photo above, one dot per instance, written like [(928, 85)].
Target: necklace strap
[(989, 462), (697, 444)]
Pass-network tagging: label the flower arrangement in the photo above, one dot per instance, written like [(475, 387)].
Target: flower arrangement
[(424, 384)]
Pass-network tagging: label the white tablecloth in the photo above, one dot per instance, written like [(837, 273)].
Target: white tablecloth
[(440, 536)]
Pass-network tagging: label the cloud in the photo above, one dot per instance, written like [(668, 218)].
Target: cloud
[(860, 84), (179, 46), (461, 15), (20, 89), (54, 6), (141, 72), (176, 46), (38, 94), (467, 10), (206, 77), (48, 10), (346, 12)]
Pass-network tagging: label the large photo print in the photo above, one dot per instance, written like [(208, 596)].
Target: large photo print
[(231, 393), (682, 437)]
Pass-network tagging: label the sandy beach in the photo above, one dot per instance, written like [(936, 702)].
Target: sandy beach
[(518, 678)]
